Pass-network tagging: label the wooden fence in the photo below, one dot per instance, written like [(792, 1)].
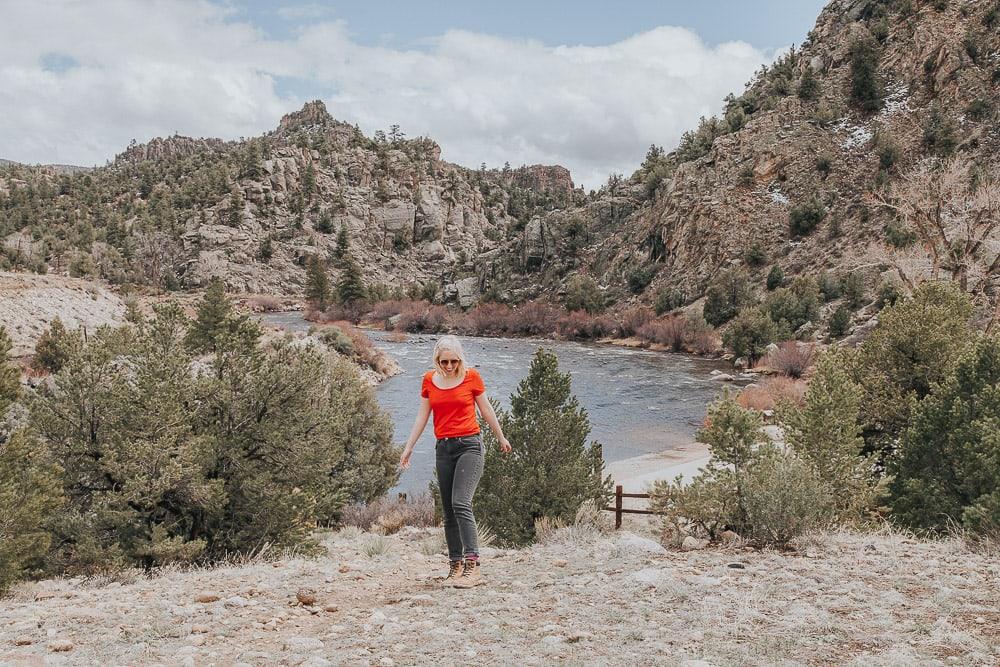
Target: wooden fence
[(619, 510)]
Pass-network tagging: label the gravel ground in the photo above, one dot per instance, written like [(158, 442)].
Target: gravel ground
[(579, 598)]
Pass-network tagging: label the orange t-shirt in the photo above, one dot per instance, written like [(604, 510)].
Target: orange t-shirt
[(454, 409)]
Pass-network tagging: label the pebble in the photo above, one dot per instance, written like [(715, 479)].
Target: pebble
[(330, 608), (200, 629), (559, 562), (692, 543), (306, 596), (205, 598), (23, 641), (302, 644)]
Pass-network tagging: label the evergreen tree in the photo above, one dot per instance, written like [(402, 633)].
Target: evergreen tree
[(309, 182), (343, 243), (809, 87), (866, 85), (552, 470), (351, 286), (948, 468), (826, 434), (53, 347), (215, 316), (726, 296), (236, 204), (317, 284), (266, 250), (914, 346)]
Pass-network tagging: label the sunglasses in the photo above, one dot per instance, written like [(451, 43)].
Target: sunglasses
[(449, 362)]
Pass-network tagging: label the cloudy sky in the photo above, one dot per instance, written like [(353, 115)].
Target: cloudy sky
[(581, 83)]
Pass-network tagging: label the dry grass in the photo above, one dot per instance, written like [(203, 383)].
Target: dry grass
[(389, 515), (791, 358), (264, 304)]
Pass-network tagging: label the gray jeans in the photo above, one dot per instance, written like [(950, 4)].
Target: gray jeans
[(459, 467)]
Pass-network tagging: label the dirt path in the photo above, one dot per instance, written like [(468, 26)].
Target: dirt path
[(579, 598)]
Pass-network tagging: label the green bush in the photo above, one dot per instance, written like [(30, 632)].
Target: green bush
[(791, 307), (825, 432), (866, 84), (53, 347), (805, 217), (729, 293), (852, 286), (899, 236), (829, 286), (755, 255), (749, 486), (979, 109), (582, 293), (948, 465), (667, 299), (189, 461), (840, 321), (552, 470), (750, 333), (334, 337), (774, 278), (940, 135), (809, 86), (914, 346), (640, 277), (889, 292), (29, 485)]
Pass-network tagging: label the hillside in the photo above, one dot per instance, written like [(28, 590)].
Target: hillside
[(580, 597), (174, 212), (877, 89), (803, 171)]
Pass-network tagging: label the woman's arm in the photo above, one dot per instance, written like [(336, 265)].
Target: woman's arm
[(418, 427), (486, 410)]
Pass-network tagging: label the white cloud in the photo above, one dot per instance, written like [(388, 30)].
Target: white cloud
[(140, 70)]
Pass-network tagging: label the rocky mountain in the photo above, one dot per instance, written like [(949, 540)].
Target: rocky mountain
[(177, 211), (805, 171)]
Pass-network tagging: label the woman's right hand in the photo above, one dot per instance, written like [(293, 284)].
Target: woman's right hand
[(404, 460)]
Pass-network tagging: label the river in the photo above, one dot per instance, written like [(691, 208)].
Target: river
[(639, 401)]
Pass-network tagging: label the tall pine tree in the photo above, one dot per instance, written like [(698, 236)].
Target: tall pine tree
[(552, 470), (317, 284), (215, 316)]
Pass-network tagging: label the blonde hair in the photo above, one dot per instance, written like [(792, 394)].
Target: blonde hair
[(451, 344)]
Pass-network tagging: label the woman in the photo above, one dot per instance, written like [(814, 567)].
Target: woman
[(452, 393)]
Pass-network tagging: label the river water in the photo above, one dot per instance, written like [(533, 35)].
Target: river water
[(639, 402)]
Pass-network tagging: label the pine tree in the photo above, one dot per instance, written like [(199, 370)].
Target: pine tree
[(236, 204), (53, 347), (317, 284), (351, 286), (809, 87), (309, 182), (948, 466), (825, 433), (343, 243), (552, 470), (29, 484), (866, 85), (215, 316)]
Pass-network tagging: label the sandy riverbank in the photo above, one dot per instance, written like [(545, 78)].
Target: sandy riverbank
[(638, 473)]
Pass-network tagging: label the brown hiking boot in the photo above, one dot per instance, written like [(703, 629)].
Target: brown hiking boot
[(471, 576), (454, 572)]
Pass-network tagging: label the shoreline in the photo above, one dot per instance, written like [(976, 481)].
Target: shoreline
[(637, 474)]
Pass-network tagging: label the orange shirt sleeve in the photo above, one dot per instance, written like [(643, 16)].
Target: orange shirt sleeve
[(476, 382), (425, 390)]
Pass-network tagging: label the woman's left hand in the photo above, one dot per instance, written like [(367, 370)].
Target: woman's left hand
[(504, 445)]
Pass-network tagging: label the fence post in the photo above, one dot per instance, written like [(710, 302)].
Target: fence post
[(618, 506)]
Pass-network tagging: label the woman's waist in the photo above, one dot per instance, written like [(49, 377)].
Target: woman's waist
[(454, 439)]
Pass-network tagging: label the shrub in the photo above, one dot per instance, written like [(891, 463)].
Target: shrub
[(670, 331), (946, 470), (579, 325), (890, 291), (667, 299), (54, 347), (639, 278), (335, 338), (791, 307), (633, 319), (840, 321), (750, 333), (809, 87), (866, 85), (791, 359), (824, 164), (979, 109), (534, 318), (755, 255), (899, 236), (914, 346), (852, 286), (389, 515), (940, 135), (727, 295), (582, 293), (828, 285), (773, 391), (774, 278), (825, 433), (552, 470), (29, 485), (420, 317), (256, 445), (805, 217), (783, 499)]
